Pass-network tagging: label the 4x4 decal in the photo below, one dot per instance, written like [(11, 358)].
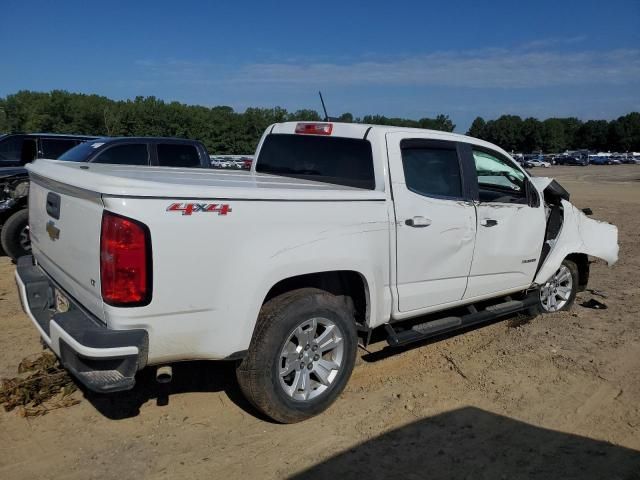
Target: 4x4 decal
[(189, 208)]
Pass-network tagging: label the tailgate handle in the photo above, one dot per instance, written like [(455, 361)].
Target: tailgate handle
[(53, 205)]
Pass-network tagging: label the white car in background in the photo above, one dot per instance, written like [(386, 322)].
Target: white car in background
[(537, 163)]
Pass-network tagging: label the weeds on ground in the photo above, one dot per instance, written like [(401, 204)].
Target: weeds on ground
[(41, 385)]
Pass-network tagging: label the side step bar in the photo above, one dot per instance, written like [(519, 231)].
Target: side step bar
[(440, 326)]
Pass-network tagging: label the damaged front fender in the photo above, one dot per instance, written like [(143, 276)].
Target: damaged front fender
[(579, 234)]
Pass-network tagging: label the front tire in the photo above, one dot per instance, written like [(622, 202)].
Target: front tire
[(15, 235), (301, 355), (560, 291)]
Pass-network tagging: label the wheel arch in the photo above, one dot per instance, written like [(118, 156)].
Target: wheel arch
[(345, 283), (582, 262)]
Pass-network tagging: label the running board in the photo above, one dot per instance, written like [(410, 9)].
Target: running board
[(440, 326)]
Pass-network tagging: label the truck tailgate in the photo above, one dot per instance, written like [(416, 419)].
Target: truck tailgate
[(65, 226)]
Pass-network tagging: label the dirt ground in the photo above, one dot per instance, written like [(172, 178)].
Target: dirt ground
[(554, 397)]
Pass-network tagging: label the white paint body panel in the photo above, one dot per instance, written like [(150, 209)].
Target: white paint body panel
[(580, 234), (211, 272), (506, 255), (432, 261)]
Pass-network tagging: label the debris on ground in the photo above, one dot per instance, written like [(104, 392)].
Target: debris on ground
[(42, 385), (593, 303), (454, 365), (598, 293)]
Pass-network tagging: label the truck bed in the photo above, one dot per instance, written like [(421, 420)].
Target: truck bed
[(165, 182)]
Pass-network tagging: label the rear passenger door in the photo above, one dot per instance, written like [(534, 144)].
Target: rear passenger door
[(435, 221)]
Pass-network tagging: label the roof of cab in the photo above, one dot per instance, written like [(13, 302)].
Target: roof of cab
[(363, 130)]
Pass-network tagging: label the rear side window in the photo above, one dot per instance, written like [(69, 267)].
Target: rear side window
[(432, 171), (128, 154), (11, 148), (176, 155), (336, 160), (53, 147)]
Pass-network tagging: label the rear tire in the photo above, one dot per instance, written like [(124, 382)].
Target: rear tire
[(301, 355), (15, 235)]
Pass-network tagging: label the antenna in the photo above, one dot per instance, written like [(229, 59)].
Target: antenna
[(326, 116)]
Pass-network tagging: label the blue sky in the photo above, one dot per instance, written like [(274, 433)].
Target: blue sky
[(403, 58)]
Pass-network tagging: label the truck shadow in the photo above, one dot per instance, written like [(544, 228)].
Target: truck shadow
[(194, 376), (473, 443), (219, 376)]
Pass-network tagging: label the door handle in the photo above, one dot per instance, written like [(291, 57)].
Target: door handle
[(489, 222), (417, 222)]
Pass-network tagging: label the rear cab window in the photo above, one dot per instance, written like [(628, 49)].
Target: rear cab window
[(177, 155), (334, 160)]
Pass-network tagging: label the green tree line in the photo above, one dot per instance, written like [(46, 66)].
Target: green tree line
[(221, 129), (225, 131), (559, 134)]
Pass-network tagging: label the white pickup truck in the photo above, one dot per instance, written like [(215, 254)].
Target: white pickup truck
[(336, 230)]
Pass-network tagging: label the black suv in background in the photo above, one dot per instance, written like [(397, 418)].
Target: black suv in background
[(150, 151), (154, 151), (18, 149)]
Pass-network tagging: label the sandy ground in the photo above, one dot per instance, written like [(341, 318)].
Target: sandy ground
[(555, 397)]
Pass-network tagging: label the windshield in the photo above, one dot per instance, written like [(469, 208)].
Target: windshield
[(80, 152)]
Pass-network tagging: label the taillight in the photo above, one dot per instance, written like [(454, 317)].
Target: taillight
[(314, 128), (125, 261)]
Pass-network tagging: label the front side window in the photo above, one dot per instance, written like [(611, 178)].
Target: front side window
[(498, 180), (129, 154), (177, 155), (432, 171), (54, 147)]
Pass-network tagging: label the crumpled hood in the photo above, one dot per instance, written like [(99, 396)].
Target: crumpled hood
[(580, 234)]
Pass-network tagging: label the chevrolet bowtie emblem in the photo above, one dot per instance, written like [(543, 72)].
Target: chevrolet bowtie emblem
[(53, 231)]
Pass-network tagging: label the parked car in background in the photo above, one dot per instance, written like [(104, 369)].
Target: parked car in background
[(570, 160), (537, 163), (598, 160), (246, 163), (143, 151), (18, 149)]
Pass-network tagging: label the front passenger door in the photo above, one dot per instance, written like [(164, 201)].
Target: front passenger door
[(510, 229)]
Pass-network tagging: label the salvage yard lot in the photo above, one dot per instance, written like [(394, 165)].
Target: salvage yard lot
[(554, 397)]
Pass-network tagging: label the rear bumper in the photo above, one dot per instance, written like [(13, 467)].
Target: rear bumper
[(102, 359)]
